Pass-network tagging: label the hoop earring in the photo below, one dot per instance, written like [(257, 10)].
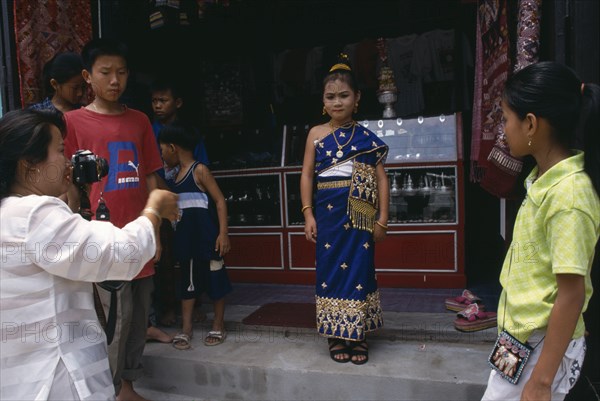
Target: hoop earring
[(324, 111), (355, 107)]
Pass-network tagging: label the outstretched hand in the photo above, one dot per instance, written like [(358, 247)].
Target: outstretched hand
[(165, 202)]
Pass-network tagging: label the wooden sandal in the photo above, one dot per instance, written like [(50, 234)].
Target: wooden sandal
[(334, 342), (460, 302), (474, 318), (359, 352)]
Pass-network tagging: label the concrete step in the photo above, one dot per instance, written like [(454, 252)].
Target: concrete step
[(164, 396), (417, 326), (416, 357)]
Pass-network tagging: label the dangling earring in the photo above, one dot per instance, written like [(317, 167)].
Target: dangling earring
[(324, 111), (355, 107), (529, 143), (34, 174)]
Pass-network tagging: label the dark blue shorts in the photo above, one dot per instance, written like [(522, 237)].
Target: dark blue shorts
[(196, 278)]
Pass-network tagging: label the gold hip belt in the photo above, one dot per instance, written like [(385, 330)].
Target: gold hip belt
[(334, 184)]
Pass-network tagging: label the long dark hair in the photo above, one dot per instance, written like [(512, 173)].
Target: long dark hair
[(61, 68), (24, 135), (572, 108)]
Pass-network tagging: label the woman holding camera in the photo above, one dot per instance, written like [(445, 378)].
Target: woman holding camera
[(53, 346)]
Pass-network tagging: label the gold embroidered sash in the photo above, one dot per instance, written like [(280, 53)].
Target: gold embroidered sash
[(362, 201)]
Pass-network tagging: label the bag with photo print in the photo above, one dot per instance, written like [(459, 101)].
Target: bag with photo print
[(509, 357)]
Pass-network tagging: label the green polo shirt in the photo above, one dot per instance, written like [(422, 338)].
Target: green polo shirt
[(555, 232)]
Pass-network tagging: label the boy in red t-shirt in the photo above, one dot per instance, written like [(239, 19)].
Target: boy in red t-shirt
[(125, 139)]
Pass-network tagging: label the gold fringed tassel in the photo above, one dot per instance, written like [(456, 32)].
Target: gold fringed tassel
[(362, 214)]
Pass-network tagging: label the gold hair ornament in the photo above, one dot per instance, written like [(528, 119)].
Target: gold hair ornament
[(340, 66)]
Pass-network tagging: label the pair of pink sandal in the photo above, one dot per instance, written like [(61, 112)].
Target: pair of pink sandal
[(471, 314), (460, 302)]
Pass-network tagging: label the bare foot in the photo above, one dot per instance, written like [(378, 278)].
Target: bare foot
[(155, 334), (127, 392)]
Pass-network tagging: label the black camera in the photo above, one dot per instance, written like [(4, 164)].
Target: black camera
[(87, 167)]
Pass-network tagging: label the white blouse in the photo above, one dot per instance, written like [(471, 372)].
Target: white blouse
[(48, 258), (339, 170)]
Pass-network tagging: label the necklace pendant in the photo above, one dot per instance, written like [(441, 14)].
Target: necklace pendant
[(339, 154)]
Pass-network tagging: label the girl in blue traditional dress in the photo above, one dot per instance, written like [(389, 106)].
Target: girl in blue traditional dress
[(350, 213)]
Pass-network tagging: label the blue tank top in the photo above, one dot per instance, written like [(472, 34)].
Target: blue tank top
[(196, 233)]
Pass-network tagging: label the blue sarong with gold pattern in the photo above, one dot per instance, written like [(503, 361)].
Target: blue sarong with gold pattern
[(346, 207)]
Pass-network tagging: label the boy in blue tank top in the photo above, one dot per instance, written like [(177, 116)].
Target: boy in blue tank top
[(201, 237)]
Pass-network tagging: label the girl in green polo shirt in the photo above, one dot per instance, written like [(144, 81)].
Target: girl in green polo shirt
[(546, 275)]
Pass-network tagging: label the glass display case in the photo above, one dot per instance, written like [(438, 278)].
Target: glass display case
[(230, 148), (418, 140), (418, 195), (293, 202), (252, 200), (424, 195), (294, 143)]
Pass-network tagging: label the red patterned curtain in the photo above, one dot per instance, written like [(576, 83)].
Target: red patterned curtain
[(44, 28)]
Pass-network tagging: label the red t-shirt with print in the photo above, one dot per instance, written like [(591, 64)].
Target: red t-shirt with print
[(127, 142)]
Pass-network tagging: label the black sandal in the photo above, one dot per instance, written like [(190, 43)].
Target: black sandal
[(334, 342), (359, 352)]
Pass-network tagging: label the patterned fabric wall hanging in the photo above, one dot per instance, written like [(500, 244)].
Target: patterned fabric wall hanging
[(492, 67), (503, 170), (44, 28), (491, 162), (528, 33)]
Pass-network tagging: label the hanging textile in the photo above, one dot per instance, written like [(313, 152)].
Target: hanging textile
[(502, 172), (491, 72), (528, 33), (477, 170), (44, 28)]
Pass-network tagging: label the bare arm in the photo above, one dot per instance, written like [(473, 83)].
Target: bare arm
[(306, 186), (562, 323), (153, 181), (160, 182), (206, 180), (383, 189), (73, 198)]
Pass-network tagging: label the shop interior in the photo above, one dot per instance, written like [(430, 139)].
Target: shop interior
[(247, 76)]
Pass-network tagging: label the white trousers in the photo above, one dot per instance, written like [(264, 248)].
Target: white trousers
[(566, 376)]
